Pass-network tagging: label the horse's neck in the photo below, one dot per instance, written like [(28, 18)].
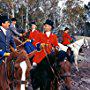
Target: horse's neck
[(77, 44)]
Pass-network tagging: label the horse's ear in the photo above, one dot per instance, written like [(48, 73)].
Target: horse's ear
[(86, 43)]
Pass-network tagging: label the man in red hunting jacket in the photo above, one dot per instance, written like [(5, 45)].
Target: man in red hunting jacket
[(34, 34), (44, 56), (66, 37), (47, 42), (33, 40)]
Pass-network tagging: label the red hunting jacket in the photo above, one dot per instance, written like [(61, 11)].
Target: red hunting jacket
[(66, 39), (51, 41), (35, 36)]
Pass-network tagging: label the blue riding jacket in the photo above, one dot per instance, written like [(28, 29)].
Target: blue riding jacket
[(6, 41)]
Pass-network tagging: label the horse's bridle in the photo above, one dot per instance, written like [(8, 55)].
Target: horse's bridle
[(20, 81)]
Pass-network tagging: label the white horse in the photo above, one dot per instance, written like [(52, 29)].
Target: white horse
[(75, 48)]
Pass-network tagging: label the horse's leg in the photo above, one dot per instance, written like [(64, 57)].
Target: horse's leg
[(76, 63)]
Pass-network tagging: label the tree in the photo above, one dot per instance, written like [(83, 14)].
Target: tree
[(73, 14), (87, 19), (27, 10)]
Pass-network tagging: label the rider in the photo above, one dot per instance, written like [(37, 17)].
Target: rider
[(13, 29), (41, 58), (48, 39), (33, 39), (6, 40), (66, 37)]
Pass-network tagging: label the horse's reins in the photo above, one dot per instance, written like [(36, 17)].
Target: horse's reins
[(21, 44), (20, 81)]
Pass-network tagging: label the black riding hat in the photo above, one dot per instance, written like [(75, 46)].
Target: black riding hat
[(66, 28), (49, 22), (14, 19), (3, 19)]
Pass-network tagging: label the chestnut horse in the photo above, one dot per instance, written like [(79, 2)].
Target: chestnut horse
[(21, 69)]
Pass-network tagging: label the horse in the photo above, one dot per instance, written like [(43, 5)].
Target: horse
[(63, 68), (21, 69), (75, 48), (46, 76)]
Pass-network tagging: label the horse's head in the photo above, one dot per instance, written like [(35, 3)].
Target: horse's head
[(86, 43), (22, 68), (22, 56), (65, 67)]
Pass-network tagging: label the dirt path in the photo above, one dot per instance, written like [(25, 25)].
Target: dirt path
[(81, 80)]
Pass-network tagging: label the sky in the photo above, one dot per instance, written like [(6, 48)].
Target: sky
[(62, 2), (86, 1)]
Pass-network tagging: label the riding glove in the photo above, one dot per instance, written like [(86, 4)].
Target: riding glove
[(6, 54)]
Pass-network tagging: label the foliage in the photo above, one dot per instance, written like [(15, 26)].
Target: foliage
[(39, 10), (73, 14)]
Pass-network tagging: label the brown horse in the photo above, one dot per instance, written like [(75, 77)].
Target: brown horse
[(65, 68), (22, 68)]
